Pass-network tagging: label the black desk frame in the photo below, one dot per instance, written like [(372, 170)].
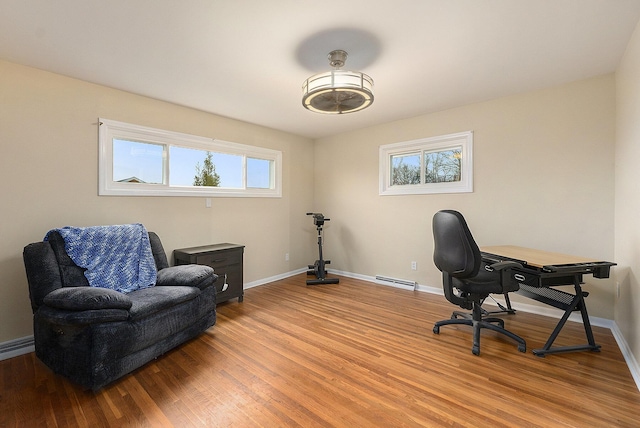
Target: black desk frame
[(537, 284)]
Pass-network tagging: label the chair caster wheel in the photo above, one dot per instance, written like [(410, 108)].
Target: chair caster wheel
[(475, 350), (436, 329), (522, 348)]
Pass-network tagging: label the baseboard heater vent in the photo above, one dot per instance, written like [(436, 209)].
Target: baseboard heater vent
[(402, 283)]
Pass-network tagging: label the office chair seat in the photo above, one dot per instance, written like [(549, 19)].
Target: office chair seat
[(468, 280)]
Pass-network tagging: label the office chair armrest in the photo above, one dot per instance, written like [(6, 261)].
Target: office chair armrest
[(505, 265), (507, 280)]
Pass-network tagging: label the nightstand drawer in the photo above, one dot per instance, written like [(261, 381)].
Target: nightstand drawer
[(219, 259)]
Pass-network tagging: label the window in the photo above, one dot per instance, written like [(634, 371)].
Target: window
[(441, 164), (140, 161)]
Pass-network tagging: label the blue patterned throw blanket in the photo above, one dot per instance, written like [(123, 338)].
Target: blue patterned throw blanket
[(117, 257)]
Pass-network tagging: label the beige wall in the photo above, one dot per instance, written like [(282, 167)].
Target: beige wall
[(627, 217), (543, 172), (48, 179), (543, 178)]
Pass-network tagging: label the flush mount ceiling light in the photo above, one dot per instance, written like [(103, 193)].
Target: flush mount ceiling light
[(337, 91)]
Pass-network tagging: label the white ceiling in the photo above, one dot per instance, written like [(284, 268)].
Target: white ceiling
[(247, 59)]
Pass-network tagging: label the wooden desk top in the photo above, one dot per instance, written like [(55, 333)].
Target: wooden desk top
[(536, 258)]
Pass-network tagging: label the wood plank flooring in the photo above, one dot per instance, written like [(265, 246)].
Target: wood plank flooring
[(354, 354)]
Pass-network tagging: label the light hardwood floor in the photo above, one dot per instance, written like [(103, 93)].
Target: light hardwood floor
[(354, 354)]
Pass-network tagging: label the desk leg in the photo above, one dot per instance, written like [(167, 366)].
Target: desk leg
[(586, 322), (577, 302)]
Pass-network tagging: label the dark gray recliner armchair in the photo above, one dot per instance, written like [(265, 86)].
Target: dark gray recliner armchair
[(94, 335)]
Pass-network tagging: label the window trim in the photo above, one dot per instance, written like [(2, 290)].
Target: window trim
[(108, 130), (439, 143)]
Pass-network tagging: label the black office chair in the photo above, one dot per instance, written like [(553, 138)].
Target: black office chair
[(467, 279)]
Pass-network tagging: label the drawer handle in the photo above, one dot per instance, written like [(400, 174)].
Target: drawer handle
[(519, 277)]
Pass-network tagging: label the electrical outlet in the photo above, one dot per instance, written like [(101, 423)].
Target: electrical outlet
[(414, 266), (286, 257)]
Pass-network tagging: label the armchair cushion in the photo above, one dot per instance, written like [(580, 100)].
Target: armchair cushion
[(149, 301), (87, 298), (199, 276)]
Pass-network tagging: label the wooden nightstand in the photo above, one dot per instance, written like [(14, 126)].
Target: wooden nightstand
[(225, 259)]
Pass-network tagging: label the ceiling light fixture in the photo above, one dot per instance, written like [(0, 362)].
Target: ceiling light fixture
[(337, 91)]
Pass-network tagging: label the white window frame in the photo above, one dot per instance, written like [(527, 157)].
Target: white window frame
[(432, 144), (111, 129)]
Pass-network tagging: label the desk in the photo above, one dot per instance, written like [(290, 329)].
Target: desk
[(542, 270)]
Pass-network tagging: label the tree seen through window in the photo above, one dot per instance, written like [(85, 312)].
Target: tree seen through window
[(443, 167), (206, 176)]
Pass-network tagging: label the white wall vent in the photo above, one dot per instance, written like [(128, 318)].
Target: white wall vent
[(395, 282)]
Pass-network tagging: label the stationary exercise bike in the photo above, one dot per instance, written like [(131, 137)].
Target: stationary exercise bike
[(318, 267)]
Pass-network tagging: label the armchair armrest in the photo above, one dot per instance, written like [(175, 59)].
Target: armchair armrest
[(87, 298), (80, 318), (199, 276), (84, 305)]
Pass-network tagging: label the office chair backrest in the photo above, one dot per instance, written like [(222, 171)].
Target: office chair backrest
[(455, 252)]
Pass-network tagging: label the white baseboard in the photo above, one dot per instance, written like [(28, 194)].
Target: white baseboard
[(632, 363), (24, 345), (273, 278), (13, 348)]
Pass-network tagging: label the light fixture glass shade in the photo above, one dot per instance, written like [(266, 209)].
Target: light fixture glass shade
[(337, 91)]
